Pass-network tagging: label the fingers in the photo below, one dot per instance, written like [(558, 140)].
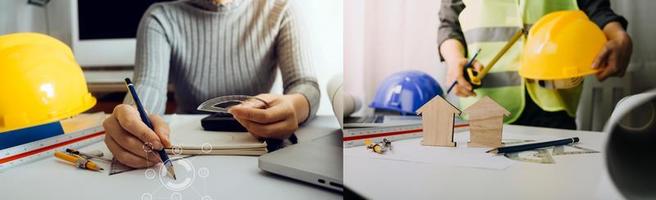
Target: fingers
[(463, 88), (128, 117), (125, 156), (278, 121), (607, 62), (264, 116), (126, 140), (477, 66), (278, 130), (161, 129), (601, 59)]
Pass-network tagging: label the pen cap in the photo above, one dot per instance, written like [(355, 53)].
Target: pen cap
[(629, 157)]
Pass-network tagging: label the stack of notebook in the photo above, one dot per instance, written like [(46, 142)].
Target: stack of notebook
[(188, 138)]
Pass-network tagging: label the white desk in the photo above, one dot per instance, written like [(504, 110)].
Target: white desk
[(580, 176), (229, 177)]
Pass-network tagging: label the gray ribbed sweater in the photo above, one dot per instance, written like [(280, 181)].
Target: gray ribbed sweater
[(207, 50)]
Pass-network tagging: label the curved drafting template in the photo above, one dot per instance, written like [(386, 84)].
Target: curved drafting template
[(545, 155), (221, 104), (535, 156)]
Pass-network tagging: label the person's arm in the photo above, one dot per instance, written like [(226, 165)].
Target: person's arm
[(452, 47), (449, 29), (616, 54), (296, 67), (301, 90), (127, 137), (151, 67)]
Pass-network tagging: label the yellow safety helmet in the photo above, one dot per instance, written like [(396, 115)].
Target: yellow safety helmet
[(40, 81), (561, 46)]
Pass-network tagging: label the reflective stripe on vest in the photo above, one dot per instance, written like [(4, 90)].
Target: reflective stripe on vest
[(488, 25)]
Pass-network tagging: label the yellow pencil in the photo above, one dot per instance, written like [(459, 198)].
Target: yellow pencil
[(78, 161)]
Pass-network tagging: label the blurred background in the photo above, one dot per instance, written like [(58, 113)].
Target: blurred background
[(105, 46), (382, 37)]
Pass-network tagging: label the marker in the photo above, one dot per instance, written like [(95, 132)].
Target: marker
[(532, 146), (468, 65), (144, 118), (78, 161)]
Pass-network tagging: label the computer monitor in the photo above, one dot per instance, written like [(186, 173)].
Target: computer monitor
[(101, 33)]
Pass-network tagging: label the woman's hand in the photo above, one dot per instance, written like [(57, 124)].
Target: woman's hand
[(277, 121), (615, 56), (131, 141)]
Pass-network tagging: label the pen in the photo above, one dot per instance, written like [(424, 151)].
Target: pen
[(78, 161), (144, 118), (531, 146), (468, 65)]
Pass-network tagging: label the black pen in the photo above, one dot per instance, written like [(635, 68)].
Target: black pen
[(146, 120), (531, 146)]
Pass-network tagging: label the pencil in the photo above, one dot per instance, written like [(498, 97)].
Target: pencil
[(78, 161), (531, 146), (144, 117)]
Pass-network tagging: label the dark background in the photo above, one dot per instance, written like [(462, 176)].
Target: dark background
[(111, 19)]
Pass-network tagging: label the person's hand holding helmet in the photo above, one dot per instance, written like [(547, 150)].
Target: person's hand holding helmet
[(615, 56)]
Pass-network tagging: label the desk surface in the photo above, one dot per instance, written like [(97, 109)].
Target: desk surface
[(581, 176), (228, 177)]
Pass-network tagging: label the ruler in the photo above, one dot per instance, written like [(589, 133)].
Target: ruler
[(357, 136), (44, 148)]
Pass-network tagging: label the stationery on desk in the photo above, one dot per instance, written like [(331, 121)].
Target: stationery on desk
[(144, 117), (77, 132), (532, 146), (188, 138), (78, 161)]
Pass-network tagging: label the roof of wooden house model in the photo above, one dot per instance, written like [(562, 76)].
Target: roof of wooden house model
[(440, 100), (486, 106)]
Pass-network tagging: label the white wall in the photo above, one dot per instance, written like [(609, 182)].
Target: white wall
[(386, 36), (323, 20), (18, 16)]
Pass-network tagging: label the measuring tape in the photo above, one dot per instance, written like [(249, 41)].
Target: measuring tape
[(44, 148), (356, 137)]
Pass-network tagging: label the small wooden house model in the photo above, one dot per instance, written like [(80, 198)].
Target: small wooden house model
[(485, 123), (438, 118)]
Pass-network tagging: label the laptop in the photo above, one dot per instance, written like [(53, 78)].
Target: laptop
[(318, 162)]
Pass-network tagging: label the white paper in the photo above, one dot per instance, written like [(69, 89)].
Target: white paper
[(412, 151), (458, 156)]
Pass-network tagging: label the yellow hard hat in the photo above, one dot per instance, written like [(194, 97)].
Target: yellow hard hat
[(561, 45), (40, 81)]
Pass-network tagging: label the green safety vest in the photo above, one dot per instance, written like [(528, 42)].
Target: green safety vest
[(488, 25)]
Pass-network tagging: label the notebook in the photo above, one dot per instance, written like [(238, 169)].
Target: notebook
[(189, 138)]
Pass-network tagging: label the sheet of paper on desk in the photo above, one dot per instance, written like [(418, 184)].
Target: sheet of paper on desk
[(413, 151), (188, 137)]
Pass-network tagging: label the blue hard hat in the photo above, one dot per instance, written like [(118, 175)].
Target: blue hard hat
[(405, 92)]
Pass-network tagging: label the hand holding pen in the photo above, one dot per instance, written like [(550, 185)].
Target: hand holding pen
[(131, 141)]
